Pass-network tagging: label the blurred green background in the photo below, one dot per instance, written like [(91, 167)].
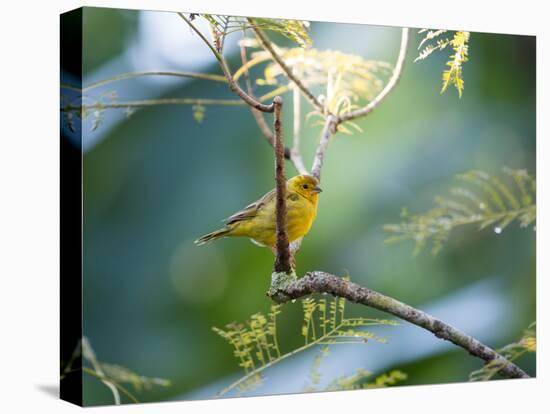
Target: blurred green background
[(157, 180)]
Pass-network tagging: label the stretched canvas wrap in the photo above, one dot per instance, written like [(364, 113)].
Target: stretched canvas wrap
[(385, 175)]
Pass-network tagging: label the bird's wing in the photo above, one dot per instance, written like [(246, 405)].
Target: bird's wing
[(250, 210)]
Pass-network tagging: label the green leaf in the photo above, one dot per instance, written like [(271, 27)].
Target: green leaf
[(459, 43), (484, 199), (295, 30)]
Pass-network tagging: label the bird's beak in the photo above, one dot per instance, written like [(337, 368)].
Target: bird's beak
[(317, 189)]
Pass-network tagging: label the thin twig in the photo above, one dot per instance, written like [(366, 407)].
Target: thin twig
[(389, 86), (272, 94), (130, 75), (112, 385), (268, 46), (162, 101), (227, 72), (331, 123), (70, 87), (328, 131), (260, 120), (282, 261), (258, 370), (154, 102), (321, 282), (295, 154), (250, 64), (89, 354)]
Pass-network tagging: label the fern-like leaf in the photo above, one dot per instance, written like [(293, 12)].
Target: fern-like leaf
[(459, 43), (484, 199), (359, 380), (324, 323), (348, 81), (112, 375), (527, 343), (123, 375), (315, 372), (453, 75), (222, 26)]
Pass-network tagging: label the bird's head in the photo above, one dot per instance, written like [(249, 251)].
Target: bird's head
[(305, 185)]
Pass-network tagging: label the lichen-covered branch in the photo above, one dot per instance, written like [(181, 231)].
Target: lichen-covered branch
[(321, 282), (234, 86), (283, 259), (268, 46), (348, 116)]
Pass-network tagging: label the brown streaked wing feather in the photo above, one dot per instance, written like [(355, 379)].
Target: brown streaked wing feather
[(250, 210)]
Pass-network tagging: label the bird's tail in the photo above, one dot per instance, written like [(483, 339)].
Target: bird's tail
[(218, 234)]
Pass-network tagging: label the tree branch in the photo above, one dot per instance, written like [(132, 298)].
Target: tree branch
[(295, 154), (282, 261), (130, 75), (227, 72), (267, 45), (153, 102), (321, 282), (389, 86), (260, 120), (332, 122), (328, 131)]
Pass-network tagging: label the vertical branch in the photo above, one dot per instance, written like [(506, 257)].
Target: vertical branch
[(328, 130), (295, 154), (282, 261)]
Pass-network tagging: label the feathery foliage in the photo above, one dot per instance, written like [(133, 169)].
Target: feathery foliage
[(112, 375), (83, 106), (346, 78), (437, 40), (315, 372), (359, 380), (527, 343), (481, 199), (295, 30), (92, 106), (256, 347)]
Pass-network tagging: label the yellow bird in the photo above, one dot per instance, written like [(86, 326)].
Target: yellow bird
[(257, 220)]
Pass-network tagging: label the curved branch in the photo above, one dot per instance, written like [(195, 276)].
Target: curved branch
[(295, 154), (321, 282), (273, 93), (260, 120), (328, 131), (389, 86), (130, 75), (227, 72), (249, 64), (267, 45), (332, 122)]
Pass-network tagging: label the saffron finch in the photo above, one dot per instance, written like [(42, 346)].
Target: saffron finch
[(257, 220)]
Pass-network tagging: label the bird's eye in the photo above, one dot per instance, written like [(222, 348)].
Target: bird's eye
[(305, 186)]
